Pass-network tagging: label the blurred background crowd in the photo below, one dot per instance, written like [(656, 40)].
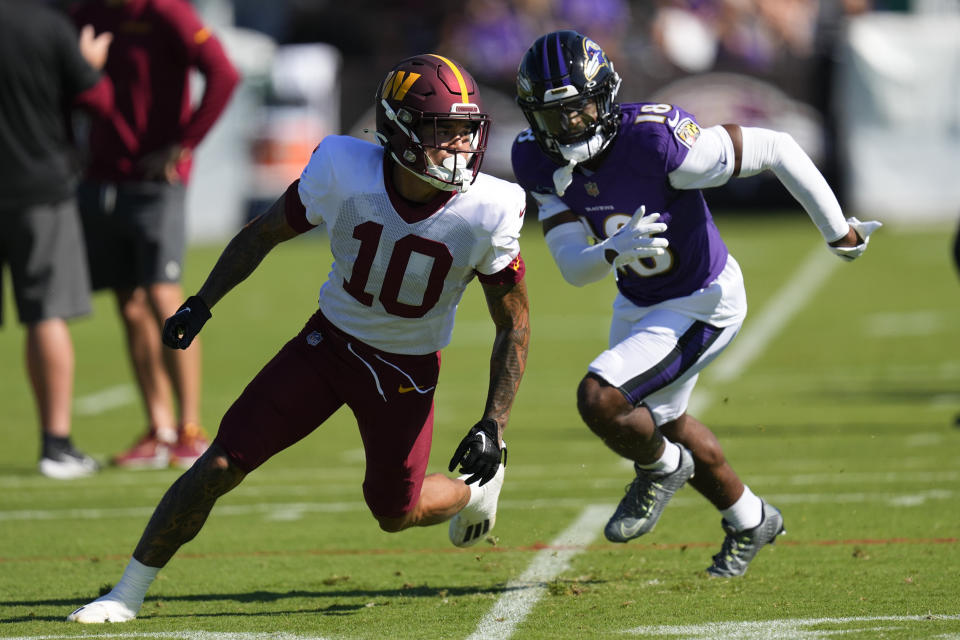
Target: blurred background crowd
[(846, 78)]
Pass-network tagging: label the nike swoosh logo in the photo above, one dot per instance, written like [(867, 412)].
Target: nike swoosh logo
[(403, 389), (675, 119), (185, 310)]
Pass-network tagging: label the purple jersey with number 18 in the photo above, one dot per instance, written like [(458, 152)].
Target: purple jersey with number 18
[(653, 141)]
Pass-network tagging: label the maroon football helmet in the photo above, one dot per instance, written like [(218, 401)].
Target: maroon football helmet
[(430, 90)]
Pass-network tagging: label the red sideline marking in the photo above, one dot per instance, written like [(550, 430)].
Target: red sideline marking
[(536, 546)]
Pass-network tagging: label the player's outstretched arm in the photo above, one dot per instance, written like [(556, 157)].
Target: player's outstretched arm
[(239, 259), (757, 149), (479, 453)]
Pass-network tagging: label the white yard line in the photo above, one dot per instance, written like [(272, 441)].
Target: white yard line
[(791, 297), (110, 398), (785, 629), (759, 332), (788, 629), (174, 635), (297, 510), (522, 594)]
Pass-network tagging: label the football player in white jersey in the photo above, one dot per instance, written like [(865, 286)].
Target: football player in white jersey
[(411, 221)]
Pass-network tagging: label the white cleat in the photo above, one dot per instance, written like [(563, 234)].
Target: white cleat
[(475, 521), (102, 610)]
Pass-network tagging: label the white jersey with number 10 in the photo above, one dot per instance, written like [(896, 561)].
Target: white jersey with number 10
[(395, 283)]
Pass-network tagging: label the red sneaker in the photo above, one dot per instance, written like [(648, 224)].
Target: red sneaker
[(148, 453), (191, 443)]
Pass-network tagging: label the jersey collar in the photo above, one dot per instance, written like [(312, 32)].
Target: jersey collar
[(412, 212)]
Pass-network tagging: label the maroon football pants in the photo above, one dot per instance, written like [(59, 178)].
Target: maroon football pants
[(311, 377)]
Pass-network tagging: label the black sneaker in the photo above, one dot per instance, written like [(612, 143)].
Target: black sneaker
[(646, 497), (740, 547)]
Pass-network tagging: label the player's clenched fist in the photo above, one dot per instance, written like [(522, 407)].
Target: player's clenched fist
[(479, 452), (182, 327)]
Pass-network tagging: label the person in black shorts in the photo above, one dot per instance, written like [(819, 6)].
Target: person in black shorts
[(132, 201), (42, 70), (133, 196)]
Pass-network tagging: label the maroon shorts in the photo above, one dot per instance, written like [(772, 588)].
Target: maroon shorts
[(311, 377)]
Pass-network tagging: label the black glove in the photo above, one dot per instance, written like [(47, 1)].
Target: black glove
[(182, 327), (479, 453)]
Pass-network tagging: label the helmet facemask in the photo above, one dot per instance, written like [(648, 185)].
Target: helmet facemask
[(567, 88), (428, 103), (463, 138), (578, 127)]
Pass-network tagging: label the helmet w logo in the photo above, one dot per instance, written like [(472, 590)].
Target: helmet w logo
[(398, 83)]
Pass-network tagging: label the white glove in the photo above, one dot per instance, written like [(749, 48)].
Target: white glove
[(863, 229), (632, 242)]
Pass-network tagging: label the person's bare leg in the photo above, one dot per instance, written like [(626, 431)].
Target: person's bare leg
[(144, 348), (715, 479), (662, 467), (178, 518), (183, 366), (441, 498), (50, 367), (629, 431), (185, 506)]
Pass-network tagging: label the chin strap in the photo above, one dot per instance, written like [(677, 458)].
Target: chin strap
[(448, 174), (563, 177)]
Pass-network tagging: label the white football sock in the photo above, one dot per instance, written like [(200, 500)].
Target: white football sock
[(132, 588), (475, 491), (745, 513), (668, 462)]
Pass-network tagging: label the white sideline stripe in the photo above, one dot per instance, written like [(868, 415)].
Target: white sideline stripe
[(287, 511), (745, 630), (778, 629), (805, 281), (102, 401), (523, 593), (528, 478), (176, 635)]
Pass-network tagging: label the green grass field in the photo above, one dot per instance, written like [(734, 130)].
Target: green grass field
[(836, 403)]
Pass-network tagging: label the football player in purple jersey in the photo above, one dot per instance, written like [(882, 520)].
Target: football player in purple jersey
[(619, 188), (411, 222)]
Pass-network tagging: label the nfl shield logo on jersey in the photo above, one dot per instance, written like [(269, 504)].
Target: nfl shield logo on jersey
[(592, 189), (314, 338)]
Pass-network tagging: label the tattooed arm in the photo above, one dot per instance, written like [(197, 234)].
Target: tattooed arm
[(246, 250), (510, 311)]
